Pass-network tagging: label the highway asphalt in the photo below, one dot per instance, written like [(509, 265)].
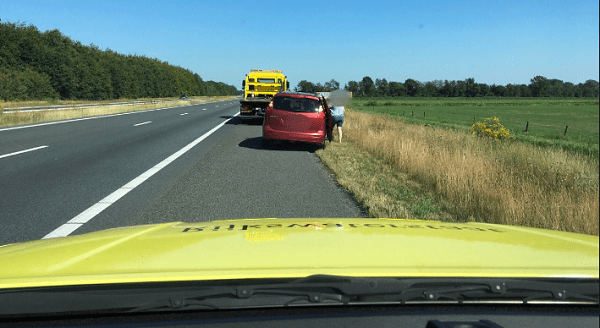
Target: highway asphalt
[(190, 163)]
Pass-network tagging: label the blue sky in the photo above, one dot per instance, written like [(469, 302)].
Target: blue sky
[(495, 42)]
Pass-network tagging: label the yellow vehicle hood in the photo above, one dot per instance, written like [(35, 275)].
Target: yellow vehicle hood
[(282, 248)]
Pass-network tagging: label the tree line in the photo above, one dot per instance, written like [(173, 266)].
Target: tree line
[(539, 87), (49, 65)]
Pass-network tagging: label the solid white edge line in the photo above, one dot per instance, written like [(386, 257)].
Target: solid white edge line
[(85, 216), (64, 230), (22, 151)]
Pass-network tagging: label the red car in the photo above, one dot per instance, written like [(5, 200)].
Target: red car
[(297, 117)]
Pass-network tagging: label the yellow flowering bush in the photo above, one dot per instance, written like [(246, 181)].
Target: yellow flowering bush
[(491, 128)]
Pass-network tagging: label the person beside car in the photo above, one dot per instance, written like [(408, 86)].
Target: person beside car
[(337, 113)]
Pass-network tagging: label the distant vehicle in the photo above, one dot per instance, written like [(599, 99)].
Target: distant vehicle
[(298, 117), (183, 96), (259, 87)]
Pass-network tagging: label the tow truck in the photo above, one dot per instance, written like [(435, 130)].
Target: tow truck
[(259, 88)]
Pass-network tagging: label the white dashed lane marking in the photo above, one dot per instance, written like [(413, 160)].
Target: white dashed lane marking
[(22, 151)]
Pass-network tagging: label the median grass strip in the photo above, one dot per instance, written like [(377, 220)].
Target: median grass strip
[(398, 169), (25, 117)]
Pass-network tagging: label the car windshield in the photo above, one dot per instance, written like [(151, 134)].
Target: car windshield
[(294, 104)]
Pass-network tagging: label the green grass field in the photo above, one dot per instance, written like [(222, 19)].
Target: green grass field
[(548, 118)]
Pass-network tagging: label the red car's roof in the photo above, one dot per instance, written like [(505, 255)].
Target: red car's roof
[(297, 95)]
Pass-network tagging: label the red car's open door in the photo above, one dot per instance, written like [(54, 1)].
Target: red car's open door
[(328, 120)]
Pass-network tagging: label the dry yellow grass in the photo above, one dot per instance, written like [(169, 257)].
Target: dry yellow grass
[(505, 183)]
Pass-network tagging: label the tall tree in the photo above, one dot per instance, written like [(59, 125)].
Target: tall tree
[(382, 87), (367, 87), (471, 88), (396, 89), (499, 90), (430, 90), (539, 86), (512, 90), (569, 89), (331, 85), (413, 87), (305, 86), (353, 87), (590, 88), (33, 60)]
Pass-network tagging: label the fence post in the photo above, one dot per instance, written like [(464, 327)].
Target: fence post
[(527, 127), (423, 114), (566, 127), (412, 113)]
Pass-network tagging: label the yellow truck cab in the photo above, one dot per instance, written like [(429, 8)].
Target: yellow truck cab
[(259, 87)]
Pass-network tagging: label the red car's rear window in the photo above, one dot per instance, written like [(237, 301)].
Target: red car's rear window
[(292, 104)]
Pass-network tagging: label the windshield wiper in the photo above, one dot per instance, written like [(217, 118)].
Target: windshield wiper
[(310, 291)]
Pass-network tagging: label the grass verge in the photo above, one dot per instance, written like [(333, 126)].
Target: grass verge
[(396, 169), (380, 189), (25, 117)]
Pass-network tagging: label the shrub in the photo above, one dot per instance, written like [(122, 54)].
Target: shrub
[(492, 129)]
